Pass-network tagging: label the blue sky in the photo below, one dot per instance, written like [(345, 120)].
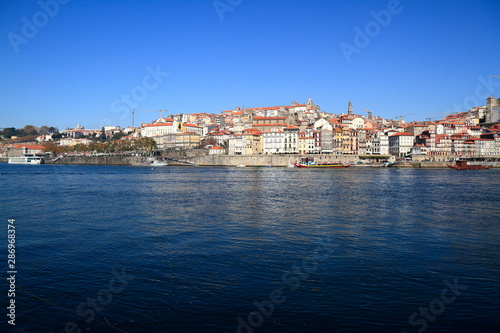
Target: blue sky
[(85, 57)]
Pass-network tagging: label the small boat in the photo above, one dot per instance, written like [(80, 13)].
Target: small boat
[(241, 166), (322, 165), (464, 165), (27, 159), (159, 162), (388, 164), (152, 162)]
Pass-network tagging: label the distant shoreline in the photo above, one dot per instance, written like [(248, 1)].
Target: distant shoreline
[(238, 160)]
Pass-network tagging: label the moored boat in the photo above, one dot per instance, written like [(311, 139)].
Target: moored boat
[(323, 165), (26, 159), (159, 162), (464, 165)]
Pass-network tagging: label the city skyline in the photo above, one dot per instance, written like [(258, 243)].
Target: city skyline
[(70, 62)]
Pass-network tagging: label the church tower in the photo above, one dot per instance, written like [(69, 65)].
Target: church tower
[(491, 102), (349, 107), (310, 103)]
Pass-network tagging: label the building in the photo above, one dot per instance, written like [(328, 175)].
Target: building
[(21, 149), (492, 110), (291, 140), (217, 150), (73, 142), (79, 131), (401, 143), (192, 128), (273, 142), (236, 144), (184, 140), (160, 129), (268, 123), (306, 143), (252, 142)]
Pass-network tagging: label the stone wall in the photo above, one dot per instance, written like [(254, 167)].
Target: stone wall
[(101, 160), (267, 160), (447, 158)]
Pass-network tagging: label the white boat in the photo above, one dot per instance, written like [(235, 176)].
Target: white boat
[(161, 162), (388, 164), (241, 166), (26, 159)]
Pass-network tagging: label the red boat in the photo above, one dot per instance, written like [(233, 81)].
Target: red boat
[(463, 165), (323, 165)]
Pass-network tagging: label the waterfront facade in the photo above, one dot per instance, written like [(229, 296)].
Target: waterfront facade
[(305, 129)]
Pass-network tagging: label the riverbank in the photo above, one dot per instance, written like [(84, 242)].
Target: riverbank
[(239, 160)]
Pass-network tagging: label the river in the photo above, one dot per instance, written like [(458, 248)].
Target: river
[(213, 249)]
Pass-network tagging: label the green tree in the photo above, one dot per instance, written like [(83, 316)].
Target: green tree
[(118, 136), (8, 132), (146, 145), (102, 137)]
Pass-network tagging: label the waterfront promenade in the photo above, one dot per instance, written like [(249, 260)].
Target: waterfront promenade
[(256, 160)]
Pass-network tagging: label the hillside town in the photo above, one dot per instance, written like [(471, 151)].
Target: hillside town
[(294, 129)]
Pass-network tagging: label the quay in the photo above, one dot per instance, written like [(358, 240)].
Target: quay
[(198, 158)]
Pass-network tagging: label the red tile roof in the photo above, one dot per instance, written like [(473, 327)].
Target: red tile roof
[(162, 124), (29, 146), (269, 118), (402, 134), (257, 125)]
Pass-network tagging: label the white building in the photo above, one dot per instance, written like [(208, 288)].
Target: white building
[(193, 128), (73, 142), (383, 143), (357, 123), (273, 142), (291, 140), (400, 144), (217, 150), (159, 129), (236, 144)]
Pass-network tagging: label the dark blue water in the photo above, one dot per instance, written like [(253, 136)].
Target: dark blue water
[(191, 249)]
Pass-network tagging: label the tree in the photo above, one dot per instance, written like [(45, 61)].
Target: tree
[(53, 130), (148, 144), (50, 146), (103, 135), (54, 149), (30, 130), (118, 136), (8, 132), (125, 145), (43, 130), (57, 136)]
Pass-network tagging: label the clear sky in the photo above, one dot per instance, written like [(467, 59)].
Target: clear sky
[(76, 63)]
